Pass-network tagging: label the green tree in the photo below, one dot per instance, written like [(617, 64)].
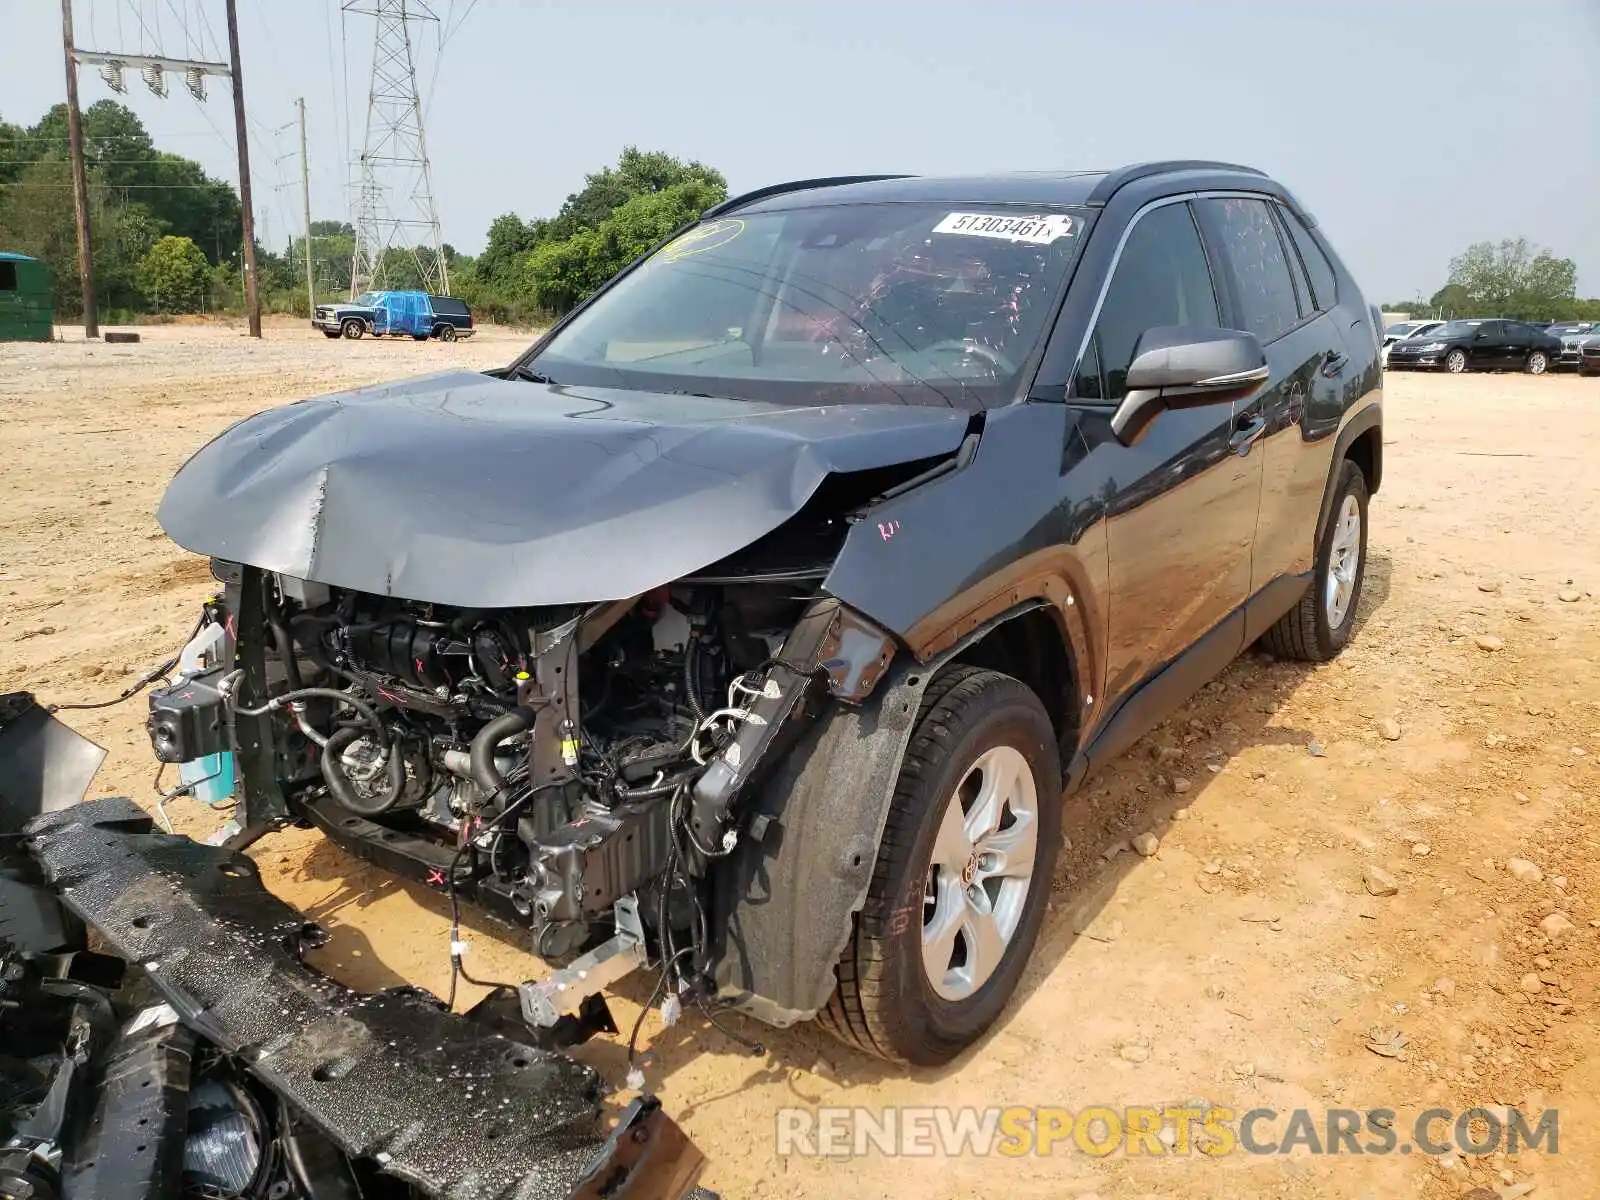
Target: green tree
[(332, 245), (1453, 300), (561, 274), (122, 237), (175, 275), (510, 240), (15, 148), (1512, 279), (638, 172)]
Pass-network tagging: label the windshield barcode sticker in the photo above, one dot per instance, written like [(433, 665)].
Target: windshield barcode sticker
[(1041, 230)]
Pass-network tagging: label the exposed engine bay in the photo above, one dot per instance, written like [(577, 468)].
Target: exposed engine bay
[(598, 663), (572, 769)]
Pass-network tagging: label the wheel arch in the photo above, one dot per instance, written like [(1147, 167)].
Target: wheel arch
[(784, 901), (1032, 645), (1361, 442)]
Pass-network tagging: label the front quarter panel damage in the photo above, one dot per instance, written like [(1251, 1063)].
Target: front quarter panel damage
[(789, 897)]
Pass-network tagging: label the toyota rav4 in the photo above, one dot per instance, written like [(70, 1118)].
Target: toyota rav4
[(753, 628)]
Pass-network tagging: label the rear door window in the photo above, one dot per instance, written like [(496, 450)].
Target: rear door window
[(1258, 268), (1324, 288), (1160, 279)]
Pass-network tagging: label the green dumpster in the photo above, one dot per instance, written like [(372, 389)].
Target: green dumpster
[(26, 313)]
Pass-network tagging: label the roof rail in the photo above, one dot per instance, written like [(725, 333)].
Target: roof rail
[(1114, 180), (798, 185)]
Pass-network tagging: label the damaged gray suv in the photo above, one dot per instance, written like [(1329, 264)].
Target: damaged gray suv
[(750, 629)]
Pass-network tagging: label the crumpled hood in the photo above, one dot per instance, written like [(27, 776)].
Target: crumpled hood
[(463, 489)]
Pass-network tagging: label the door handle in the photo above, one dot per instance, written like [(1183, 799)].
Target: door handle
[(1245, 435), (1334, 363)]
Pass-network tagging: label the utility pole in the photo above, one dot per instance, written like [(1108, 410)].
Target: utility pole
[(252, 295), (305, 199), (80, 178)]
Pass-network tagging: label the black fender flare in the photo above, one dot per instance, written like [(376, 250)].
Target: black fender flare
[(785, 901), (1367, 418)]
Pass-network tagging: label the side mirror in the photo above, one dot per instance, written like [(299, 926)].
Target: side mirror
[(1182, 367)]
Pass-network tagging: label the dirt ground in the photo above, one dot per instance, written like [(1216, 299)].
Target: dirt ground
[(1244, 964)]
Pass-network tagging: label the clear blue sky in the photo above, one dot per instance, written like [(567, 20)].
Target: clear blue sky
[(1410, 127)]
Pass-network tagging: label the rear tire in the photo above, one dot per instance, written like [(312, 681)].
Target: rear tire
[(1455, 362), (1538, 363), (914, 984), (447, 333), (353, 328), (1319, 626)]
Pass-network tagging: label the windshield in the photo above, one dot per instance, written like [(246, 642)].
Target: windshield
[(367, 299), (1568, 330), (907, 303), (1456, 329), (1403, 328)]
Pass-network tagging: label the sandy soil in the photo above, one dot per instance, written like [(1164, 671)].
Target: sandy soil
[(1243, 964)]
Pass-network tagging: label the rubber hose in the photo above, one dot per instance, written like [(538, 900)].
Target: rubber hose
[(285, 644), (480, 756), (691, 662), (344, 791)]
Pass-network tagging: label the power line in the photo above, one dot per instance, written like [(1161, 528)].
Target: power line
[(175, 161), (115, 137), (118, 187), (183, 24)]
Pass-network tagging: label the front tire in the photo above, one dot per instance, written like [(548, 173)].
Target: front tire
[(330, 333), (962, 877), (1319, 626), (353, 328), (1455, 362), (1538, 363)]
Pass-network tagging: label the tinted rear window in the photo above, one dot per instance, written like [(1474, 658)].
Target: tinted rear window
[(449, 305), (1263, 288), (1326, 292)]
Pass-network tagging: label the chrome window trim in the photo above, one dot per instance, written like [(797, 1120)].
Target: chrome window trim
[(1116, 260)]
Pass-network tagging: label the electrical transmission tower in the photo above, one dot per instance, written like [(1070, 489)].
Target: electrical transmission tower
[(394, 200)]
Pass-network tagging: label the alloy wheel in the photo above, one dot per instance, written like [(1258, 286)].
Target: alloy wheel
[(977, 883), (1456, 362), (1344, 562)]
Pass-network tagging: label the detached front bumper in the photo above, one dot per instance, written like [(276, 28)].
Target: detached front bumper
[(451, 1106)]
